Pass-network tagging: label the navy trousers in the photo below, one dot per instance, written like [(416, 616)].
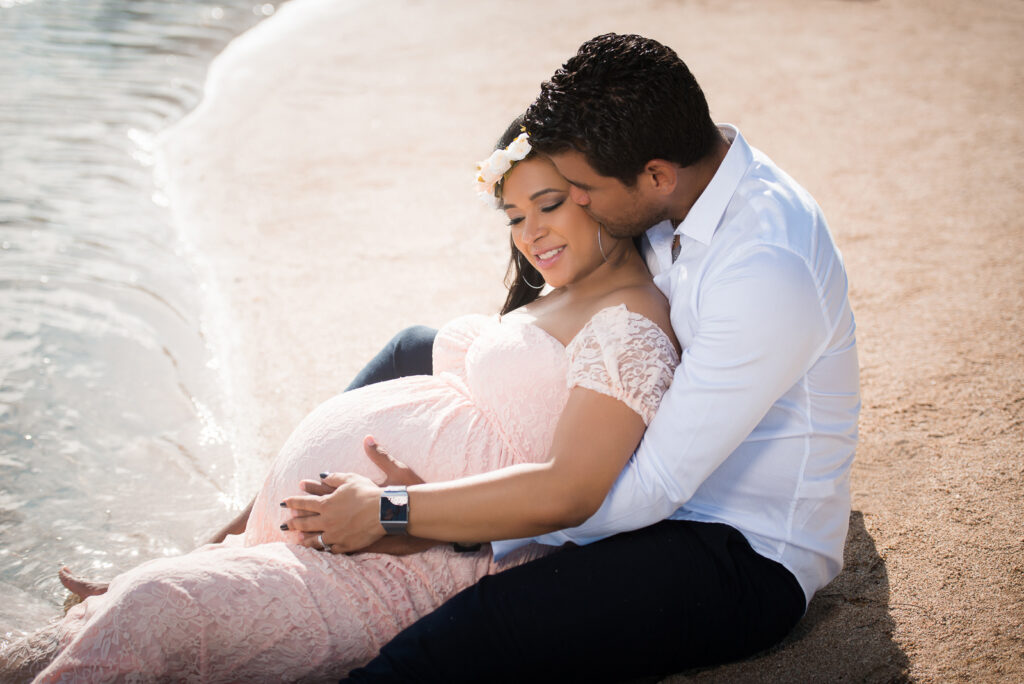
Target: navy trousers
[(410, 352), (672, 596)]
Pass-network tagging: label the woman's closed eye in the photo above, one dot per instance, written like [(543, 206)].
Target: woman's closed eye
[(516, 220)]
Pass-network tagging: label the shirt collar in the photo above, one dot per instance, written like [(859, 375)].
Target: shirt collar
[(703, 218)]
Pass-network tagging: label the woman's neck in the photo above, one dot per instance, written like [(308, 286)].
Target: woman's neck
[(563, 311), (623, 267)]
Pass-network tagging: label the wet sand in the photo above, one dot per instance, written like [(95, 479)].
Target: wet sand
[(326, 179)]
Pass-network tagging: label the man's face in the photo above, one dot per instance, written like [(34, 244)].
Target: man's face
[(624, 211)]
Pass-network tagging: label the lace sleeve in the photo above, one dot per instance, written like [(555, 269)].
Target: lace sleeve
[(625, 356)]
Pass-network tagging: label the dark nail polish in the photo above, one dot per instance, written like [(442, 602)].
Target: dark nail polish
[(283, 504), (284, 526), (323, 475)]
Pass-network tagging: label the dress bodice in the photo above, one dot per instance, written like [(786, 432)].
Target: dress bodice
[(520, 376), (513, 371)]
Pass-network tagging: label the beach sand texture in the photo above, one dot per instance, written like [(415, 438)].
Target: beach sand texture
[(326, 178)]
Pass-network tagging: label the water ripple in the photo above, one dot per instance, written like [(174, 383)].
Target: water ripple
[(106, 399)]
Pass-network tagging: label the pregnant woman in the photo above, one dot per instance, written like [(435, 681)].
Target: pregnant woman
[(522, 429)]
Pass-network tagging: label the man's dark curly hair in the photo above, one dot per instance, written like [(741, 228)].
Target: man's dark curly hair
[(622, 101)]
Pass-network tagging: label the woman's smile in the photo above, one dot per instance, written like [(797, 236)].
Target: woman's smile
[(547, 258)]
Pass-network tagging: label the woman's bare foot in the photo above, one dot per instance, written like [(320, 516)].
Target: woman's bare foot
[(80, 587)]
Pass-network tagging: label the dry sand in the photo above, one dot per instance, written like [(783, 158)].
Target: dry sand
[(326, 178)]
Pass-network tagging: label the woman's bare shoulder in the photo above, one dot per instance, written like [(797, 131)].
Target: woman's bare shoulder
[(646, 300)]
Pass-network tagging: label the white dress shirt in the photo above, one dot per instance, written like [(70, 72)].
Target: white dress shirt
[(759, 426)]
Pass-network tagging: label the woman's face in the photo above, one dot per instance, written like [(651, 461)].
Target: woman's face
[(550, 230)]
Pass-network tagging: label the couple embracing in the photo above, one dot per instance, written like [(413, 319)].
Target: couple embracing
[(654, 436)]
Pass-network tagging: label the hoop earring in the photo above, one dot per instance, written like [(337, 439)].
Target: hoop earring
[(603, 255), (522, 275)]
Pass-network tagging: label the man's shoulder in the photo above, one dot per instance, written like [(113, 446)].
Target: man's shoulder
[(769, 207), (768, 186)]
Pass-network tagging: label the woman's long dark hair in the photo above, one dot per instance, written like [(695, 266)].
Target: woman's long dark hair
[(520, 271), (519, 293)]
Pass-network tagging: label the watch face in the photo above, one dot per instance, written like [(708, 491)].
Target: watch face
[(394, 510), (397, 497)]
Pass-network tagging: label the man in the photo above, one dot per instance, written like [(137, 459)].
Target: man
[(746, 464)]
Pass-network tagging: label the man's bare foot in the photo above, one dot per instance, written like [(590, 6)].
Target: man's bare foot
[(81, 587)]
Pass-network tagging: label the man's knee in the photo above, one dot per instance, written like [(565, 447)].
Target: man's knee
[(412, 350)]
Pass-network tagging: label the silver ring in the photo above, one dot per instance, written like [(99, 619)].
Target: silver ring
[(323, 545)]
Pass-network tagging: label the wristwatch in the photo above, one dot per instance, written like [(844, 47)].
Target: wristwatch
[(394, 510)]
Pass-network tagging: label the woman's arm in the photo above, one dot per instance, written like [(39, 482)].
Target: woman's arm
[(595, 437), (593, 440)]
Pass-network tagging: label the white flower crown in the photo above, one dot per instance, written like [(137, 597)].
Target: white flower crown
[(494, 168)]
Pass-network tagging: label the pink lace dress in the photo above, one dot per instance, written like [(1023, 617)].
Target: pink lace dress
[(271, 610)]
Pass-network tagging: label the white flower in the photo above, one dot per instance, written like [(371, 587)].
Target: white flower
[(494, 168), (519, 148)]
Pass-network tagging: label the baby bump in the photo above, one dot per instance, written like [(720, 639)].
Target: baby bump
[(423, 421)]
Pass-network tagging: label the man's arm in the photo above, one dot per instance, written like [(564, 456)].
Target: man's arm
[(761, 327)]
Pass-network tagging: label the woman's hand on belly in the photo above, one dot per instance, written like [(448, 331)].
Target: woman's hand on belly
[(342, 510), (345, 520)]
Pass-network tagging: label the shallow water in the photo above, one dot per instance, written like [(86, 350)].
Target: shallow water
[(112, 449)]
